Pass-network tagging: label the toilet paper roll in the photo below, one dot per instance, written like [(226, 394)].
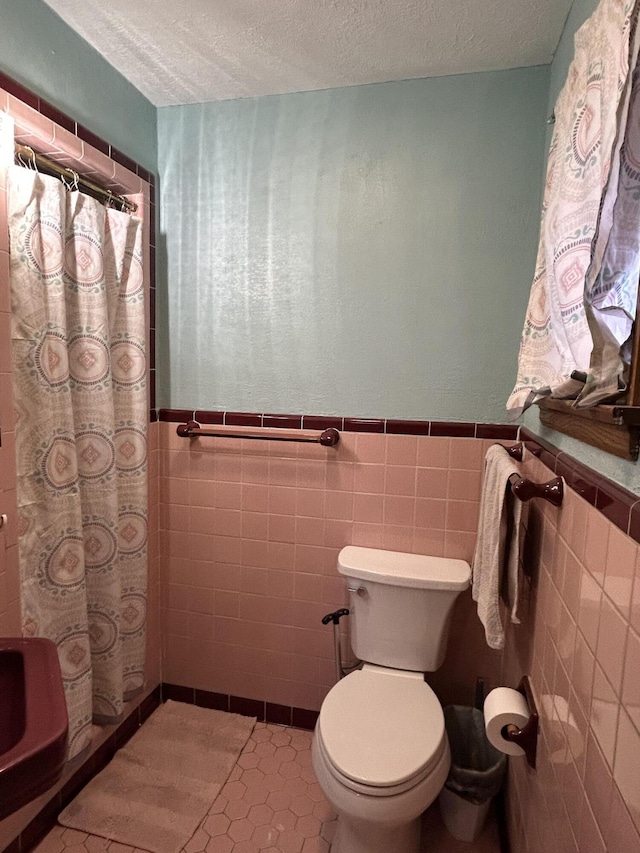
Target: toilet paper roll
[(502, 707)]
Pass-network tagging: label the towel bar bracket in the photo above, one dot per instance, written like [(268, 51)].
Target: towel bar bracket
[(553, 491)]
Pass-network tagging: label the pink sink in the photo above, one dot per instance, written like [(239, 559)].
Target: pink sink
[(33, 720)]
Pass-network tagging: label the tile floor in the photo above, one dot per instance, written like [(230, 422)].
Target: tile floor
[(271, 803)]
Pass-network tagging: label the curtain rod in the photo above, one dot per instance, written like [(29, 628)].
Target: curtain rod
[(72, 180)]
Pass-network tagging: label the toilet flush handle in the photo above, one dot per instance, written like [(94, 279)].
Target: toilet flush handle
[(359, 590)]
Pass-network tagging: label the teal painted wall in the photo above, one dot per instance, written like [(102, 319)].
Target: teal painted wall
[(625, 473), (40, 51), (364, 251)]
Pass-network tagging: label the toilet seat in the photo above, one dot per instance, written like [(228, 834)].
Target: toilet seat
[(381, 730)]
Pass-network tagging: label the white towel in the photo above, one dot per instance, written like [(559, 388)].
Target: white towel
[(494, 555)]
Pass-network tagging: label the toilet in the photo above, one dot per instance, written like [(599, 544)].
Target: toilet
[(380, 751)]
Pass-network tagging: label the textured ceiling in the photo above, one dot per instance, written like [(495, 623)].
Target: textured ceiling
[(203, 50)]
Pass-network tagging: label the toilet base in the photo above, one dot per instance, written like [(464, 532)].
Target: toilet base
[(358, 837)]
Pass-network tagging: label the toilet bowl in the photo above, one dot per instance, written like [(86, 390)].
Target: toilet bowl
[(381, 756), (380, 750)]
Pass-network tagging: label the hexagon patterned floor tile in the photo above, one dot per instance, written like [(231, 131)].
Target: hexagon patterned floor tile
[(271, 803)]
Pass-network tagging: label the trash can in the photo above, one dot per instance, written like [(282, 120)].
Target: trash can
[(477, 770)]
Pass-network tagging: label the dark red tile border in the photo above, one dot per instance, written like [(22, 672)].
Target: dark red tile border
[(547, 458), (585, 482), (250, 419), (565, 467), (214, 701), (57, 115), (19, 91), (143, 173), (616, 503), (247, 707), (303, 719), (93, 139), (321, 422), (501, 432), (634, 522), (453, 429), (176, 416), (281, 715), (43, 822), (125, 161), (46, 818), (152, 226), (178, 693), (396, 427), (363, 425), (152, 348), (392, 426), (282, 421), (209, 417)]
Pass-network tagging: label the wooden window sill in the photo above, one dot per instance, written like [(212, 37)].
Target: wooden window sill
[(614, 429)]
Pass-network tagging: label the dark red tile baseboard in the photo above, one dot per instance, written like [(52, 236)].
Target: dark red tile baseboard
[(45, 820), (266, 712)]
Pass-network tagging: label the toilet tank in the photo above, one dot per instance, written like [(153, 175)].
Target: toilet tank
[(401, 605)]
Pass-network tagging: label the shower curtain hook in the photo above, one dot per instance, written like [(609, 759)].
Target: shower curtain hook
[(30, 161), (70, 179)]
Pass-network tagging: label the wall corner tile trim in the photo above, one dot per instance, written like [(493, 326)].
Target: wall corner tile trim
[(616, 503)]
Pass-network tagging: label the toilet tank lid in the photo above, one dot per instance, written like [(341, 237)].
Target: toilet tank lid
[(400, 569)]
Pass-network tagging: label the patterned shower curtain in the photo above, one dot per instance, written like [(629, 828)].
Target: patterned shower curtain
[(78, 348), (583, 296)]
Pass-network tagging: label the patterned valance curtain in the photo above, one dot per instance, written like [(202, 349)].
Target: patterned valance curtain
[(583, 298), (78, 348)]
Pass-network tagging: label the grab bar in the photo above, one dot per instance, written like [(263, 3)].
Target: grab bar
[(328, 437)]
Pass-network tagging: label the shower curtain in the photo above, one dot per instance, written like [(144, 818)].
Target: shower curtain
[(78, 351), (583, 298)]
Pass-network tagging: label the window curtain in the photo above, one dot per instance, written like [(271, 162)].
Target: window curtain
[(583, 297), (78, 351)]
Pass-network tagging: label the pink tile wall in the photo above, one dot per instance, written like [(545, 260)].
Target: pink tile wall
[(580, 642), (250, 533)]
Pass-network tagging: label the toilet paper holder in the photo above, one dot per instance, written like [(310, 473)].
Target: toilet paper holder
[(526, 737)]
